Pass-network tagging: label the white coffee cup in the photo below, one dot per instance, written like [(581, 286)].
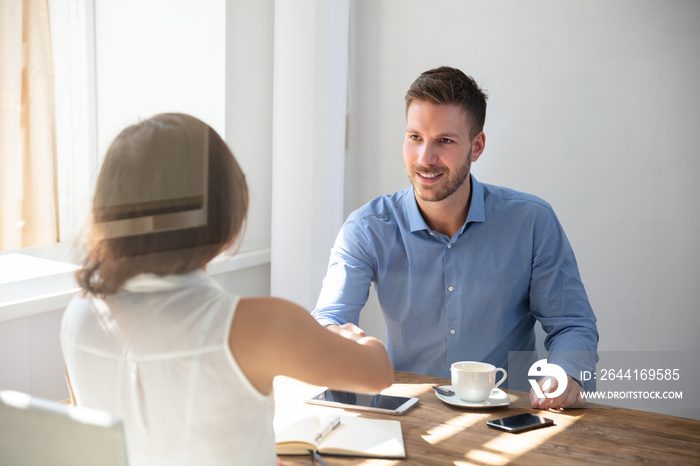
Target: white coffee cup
[(474, 381)]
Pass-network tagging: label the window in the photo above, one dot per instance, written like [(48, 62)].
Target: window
[(117, 62), (47, 157), (151, 69)]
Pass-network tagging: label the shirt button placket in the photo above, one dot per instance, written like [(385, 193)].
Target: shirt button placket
[(451, 302)]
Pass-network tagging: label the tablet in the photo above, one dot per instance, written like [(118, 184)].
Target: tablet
[(387, 404)]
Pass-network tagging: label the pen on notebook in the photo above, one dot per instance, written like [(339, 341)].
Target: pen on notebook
[(327, 427)]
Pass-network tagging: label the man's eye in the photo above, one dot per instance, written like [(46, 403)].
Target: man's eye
[(445, 141), (414, 137)]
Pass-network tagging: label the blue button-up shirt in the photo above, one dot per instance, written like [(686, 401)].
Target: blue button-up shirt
[(474, 296)]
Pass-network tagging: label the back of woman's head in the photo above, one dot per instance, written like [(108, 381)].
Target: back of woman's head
[(170, 196)]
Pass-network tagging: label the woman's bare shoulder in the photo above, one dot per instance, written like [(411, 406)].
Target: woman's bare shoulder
[(268, 307), (271, 318)]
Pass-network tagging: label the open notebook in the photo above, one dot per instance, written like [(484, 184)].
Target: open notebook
[(34, 431), (355, 436)]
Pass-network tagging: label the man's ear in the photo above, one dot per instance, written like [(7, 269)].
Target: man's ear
[(478, 146)]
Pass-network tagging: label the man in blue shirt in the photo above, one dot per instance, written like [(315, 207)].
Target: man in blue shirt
[(461, 269)]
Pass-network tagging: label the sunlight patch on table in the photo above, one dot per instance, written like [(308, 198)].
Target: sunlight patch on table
[(375, 462), (505, 447), (410, 389), (485, 457), (452, 427)]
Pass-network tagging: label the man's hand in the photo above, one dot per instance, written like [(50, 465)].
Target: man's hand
[(571, 398), (349, 330)]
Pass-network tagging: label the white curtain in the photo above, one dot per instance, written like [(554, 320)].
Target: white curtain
[(27, 146), (309, 109)]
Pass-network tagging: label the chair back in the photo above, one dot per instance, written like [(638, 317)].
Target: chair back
[(39, 432)]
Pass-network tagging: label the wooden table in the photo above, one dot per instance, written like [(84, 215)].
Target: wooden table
[(437, 433)]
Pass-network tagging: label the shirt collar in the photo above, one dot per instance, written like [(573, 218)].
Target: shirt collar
[(148, 282), (477, 213), (476, 208), (415, 219)]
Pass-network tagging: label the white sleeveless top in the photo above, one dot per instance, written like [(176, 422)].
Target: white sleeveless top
[(156, 354)]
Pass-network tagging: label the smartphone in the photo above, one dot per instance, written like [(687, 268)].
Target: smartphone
[(520, 422), (387, 404)]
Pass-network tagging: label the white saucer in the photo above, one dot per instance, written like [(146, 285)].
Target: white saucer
[(498, 398)]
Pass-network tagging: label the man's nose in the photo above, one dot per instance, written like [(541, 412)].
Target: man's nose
[(427, 154)]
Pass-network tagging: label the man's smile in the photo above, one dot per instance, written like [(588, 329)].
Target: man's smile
[(426, 177)]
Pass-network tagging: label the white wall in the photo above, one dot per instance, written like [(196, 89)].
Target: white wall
[(593, 106), (248, 107), (310, 86), (30, 356), (158, 56)]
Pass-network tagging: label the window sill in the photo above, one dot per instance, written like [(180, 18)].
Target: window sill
[(38, 280)]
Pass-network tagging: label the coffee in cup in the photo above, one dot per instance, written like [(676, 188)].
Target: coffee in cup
[(474, 381)]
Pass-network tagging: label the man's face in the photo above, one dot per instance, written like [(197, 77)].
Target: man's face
[(437, 150)]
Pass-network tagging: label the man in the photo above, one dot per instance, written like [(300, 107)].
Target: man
[(462, 269)]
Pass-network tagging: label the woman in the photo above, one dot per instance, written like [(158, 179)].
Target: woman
[(187, 366)]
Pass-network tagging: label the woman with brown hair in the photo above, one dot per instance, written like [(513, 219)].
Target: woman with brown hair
[(153, 339)]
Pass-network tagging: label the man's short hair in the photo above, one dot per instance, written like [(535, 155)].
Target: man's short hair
[(447, 85)]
